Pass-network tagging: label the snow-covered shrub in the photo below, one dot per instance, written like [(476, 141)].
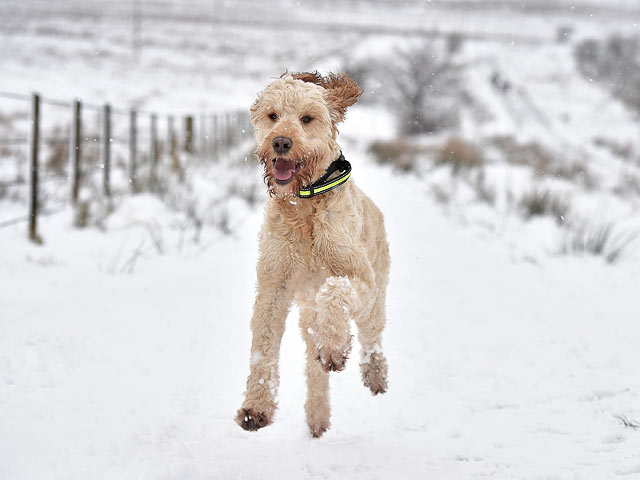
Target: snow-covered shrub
[(405, 154), (538, 202), (460, 154), (440, 194), (57, 158), (628, 422), (204, 197), (401, 153), (596, 237), (484, 191), (177, 192), (531, 153), (244, 186), (615, 62), (249, 192), (91, 211), (622, 150), (628, 185), (543, 161)]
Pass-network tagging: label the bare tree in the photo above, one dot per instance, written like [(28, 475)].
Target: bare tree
[(419, 85), (614, 62)]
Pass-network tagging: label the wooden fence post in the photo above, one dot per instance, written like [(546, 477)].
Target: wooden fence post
[(203, 137), (229, 136), (234, 127), (220, 135), (153, 135), (171, 136), (34, 151), (188, 134), (214, 136), (106, 149), (76, 143), (133, 139)]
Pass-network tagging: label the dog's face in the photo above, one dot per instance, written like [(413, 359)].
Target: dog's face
[(295, 122)]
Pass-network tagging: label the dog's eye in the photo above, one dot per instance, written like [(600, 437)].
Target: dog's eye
[(273, 116), (306, 119)]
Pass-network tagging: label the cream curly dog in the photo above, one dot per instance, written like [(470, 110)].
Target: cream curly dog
[(327, 252)]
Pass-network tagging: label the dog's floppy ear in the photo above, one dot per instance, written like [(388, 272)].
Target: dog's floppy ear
[(342, 91)]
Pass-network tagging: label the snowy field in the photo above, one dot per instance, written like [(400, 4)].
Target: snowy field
[(124, 346), (500, 367)]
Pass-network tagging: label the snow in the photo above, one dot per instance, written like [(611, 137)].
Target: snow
[(498, 367), (124, 346)]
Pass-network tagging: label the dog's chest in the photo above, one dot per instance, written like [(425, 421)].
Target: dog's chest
[(324, 249), (320, 237)]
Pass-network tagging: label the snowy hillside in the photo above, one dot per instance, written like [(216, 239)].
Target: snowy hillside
[(512, 335)]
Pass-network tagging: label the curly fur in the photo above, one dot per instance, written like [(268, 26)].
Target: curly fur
[(328, 253)]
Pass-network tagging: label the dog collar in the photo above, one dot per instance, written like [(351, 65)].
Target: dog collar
[(322, 185)]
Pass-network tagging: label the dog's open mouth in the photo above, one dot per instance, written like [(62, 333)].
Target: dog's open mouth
[(284, 169)]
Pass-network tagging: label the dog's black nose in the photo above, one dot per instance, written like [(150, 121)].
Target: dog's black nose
[(282, 144)]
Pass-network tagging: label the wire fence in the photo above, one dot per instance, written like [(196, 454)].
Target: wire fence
[(55, 153)]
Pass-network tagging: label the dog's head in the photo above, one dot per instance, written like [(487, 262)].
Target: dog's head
[(295, 123)]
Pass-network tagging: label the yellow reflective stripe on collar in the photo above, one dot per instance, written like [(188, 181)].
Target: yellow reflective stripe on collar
[(322, 185), (307, 193), (332, 184)]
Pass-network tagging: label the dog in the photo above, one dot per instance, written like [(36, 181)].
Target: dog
[(322, 245)]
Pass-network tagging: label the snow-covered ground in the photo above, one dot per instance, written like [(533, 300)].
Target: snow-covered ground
[(124, 346), (500, 367)]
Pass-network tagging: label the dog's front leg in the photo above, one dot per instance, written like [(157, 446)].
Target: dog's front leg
[(331, 333), (267, 325)]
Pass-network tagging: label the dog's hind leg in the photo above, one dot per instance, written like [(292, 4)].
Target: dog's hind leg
[(317, 406), (373, 364), (330, 333)]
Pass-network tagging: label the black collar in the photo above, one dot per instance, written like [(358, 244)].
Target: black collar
[(322, 185)]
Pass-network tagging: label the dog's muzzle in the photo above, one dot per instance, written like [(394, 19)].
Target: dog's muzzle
[(284, 169)]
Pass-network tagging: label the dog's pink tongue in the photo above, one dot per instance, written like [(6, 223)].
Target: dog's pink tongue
[(283, 169)]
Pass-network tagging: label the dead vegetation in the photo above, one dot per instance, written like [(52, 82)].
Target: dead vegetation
[(543, 162), (57, 151), (484, 192), (628, 184), (621, 150), (460, 155), (401, 153), (544, 202), (627, 422), (596, 237)]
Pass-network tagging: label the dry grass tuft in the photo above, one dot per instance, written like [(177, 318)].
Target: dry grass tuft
[(486, 193), (597, 238), (400, 153), (538, 202), (627, 422), (543, 162), (460, 155)]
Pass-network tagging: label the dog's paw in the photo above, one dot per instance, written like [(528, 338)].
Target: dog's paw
[(251, 419), (336, 296), (374, 373), (334, 360), (317, 429)]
